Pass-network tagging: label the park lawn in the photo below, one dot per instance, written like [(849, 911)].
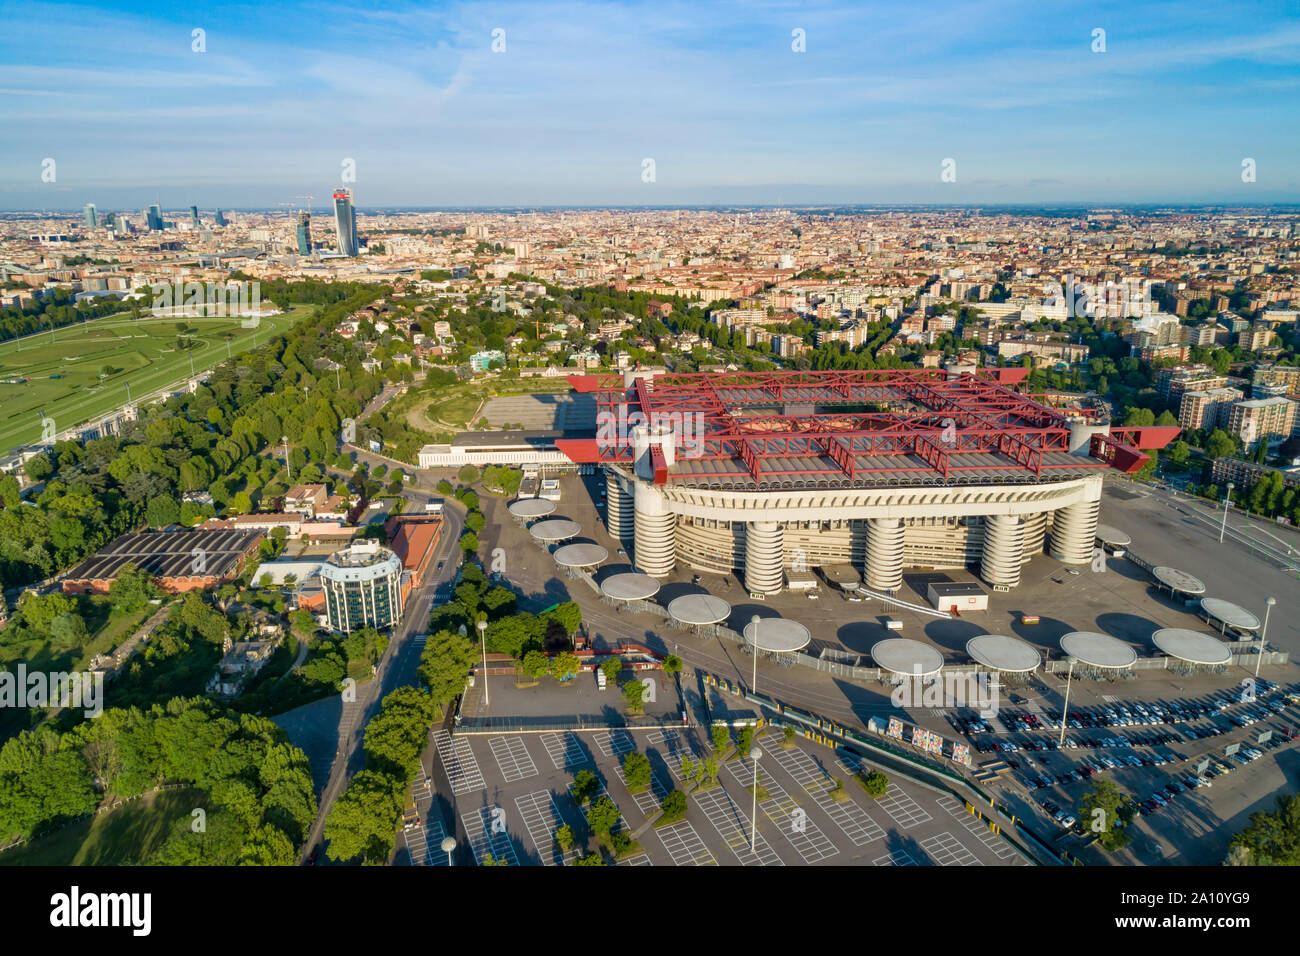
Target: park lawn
[(112, 628), (95, 361), (128, 835)]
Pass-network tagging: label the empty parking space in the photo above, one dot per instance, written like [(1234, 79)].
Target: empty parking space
[(487, 836), (541, 819), (614, 743), (649, 799), (846, 813), (640, 859), (907, 813), (897, 858), (782, 809), (684, 845), (513, 758), (946, 850), (565, 751), (979, 829), (459, 762), (733, 826)]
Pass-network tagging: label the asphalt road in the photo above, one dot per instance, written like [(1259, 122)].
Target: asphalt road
[(397, 668)]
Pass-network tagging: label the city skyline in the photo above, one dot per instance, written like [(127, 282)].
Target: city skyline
[(577, 97)]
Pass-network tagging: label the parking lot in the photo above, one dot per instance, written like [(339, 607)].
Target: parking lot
[(511, 794), (1119, 601), (1164, 753)]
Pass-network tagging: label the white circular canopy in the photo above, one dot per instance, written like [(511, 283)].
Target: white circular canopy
[(1108, 534), (699, 609), (629, 586), (901, 655), (1233, 615), (1000, 652), (1191, 646), (777, 635), (1098, 650), (1177, 580), (529, 508), (581, 555), (555, 529)]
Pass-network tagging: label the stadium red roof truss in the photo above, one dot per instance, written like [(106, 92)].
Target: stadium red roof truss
[(784, 426)]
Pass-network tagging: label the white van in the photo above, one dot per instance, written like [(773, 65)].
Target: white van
[(601, 682), (893, 624)]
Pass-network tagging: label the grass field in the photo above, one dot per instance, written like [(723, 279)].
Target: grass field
[(130, 834), (141, 353)]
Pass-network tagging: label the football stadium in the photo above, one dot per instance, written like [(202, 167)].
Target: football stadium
[(769, 473)]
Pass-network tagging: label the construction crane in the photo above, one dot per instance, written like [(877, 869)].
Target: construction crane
[(309, 199)]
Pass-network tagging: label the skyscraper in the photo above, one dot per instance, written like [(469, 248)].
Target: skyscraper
[(345, 221), (154, 215), (89, 210), (194, 216), (221, 218), (304, 233)]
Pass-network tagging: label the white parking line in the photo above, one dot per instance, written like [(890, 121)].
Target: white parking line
[(478, 825), (907, 813), (979, 829), (846, 814), (782, 809), (565, 751), (614, 743), (512, 757), (459, 762), (946, 850), (639, 860), (684, 845), (649, 799), (733, 826), (897, 858), (541, 819)]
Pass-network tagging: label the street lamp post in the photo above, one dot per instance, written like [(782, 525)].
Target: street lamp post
[(754, 754), (1263, 634), (753, 642), (482, 634), (449, 844), (1065, 710), (1227, 503)]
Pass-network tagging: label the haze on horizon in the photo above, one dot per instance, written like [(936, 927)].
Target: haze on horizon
[(581, 94)]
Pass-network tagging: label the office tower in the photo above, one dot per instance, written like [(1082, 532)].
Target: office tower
[(221, 218), (89, 210), (304, 233), (194, 216), (154, 217), (345, 221)]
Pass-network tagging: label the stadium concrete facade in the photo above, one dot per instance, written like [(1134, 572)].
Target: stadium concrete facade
[(765, 473)]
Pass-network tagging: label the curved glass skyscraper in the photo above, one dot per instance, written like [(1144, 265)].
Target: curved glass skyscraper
[(345, 221)]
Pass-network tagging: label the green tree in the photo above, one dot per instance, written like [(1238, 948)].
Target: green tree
[(602, 816), (875, 783), (585, 786), (634, 696), (565, 665), (636, 771), (611, 667), (534, 665), (672, 665), (467, 474), (721, 736), (1219, 444), (674, 805), (132, 589), (445, 664), (564, 838), (1106, 812)]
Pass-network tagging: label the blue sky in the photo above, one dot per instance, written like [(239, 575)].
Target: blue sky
[(712, 92)]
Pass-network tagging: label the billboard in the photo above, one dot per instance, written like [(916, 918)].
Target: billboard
[(895, 728)]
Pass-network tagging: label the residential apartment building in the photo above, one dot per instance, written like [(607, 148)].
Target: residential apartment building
[(1268, 419), (1206, 408)]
